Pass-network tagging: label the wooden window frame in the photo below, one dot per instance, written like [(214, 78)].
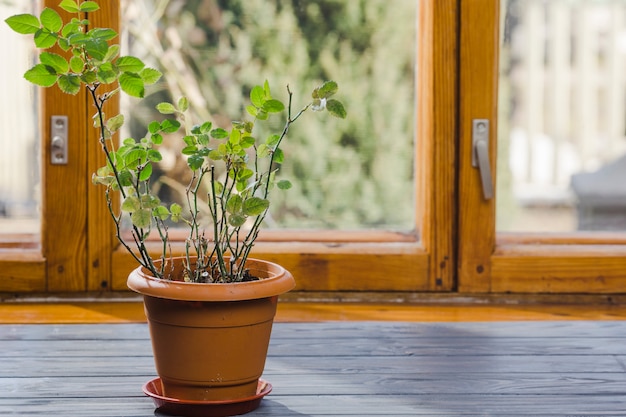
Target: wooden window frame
[(514, 263), (385, 261)]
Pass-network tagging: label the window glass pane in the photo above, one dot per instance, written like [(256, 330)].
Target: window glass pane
[(562, 122), (20, 170), (346, 174)]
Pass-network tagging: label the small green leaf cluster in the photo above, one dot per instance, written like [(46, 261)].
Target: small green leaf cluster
[(92, 60), (322, 100), (130, 168)]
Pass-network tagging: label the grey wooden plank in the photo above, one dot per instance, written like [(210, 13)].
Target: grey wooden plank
[(339, 369), (341, 405), (340, 330), (143, 365), (74, 331), (342, 347), (340, 384)]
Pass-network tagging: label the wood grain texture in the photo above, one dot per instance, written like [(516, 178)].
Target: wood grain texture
[(100, 228), (330, 267), (64, 211), (23, 275), (478, 100), (361, 369), (309, 312), (436, 142), (23, 272)]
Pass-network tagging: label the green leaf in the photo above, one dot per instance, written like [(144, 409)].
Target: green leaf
[(77, 38), (336, 109), (166, 108), (328, 89), (216, 155), (252, 111), (129, 64), (112, 53), (257, 96), (272, 141), (150, 201), (161, 213), (70, 29), (51, 20), (150, 75), (115, 123), (245, 174), (218, 186), (247, 141), (64, 44), (104, 34), (273, 106), (132, 84), (284, 184), (235, 137), (106, 73), (55, 61), (203, 139), (263, 151), (41, 75), (219, 133), (89, 77), (135, 157), (25, 24), (279, 156), (156, 138), (69, 83), (195, 161), (142, 218), (89, 6), (170, 126), (234, 204), (131, 203), (189, 140), (154, 155), (76, 64), (154, 127), (44, 39), (236, 220), (126, 178), (145, 173), (255, 206), (183, 104), (176, 209), (97, 48), (102, 180), (70, 6), (266, 90)]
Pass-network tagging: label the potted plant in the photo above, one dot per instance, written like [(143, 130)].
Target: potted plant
[(210, 311)]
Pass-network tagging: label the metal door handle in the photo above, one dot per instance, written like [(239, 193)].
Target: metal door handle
[(58, 141), (480, 154)]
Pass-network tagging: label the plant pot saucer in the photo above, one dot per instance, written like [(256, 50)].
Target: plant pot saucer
[(191, 408)]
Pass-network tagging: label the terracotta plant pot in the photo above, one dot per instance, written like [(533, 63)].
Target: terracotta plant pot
[(210, 341)]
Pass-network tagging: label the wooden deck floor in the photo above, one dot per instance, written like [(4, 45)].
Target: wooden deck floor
[(349, 368)]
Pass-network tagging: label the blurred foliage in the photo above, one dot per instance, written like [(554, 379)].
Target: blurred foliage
[(350, 174)]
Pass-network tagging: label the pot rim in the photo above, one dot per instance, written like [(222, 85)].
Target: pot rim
[(278, 282)]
